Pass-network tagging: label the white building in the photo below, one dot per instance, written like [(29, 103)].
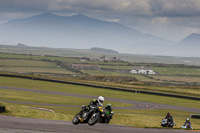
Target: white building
[(142, 70), (85, 59)]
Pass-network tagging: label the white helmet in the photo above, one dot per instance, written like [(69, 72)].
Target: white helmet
[(101, 100)]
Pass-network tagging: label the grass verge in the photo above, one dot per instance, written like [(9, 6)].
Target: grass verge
[(42, 85), (23, 96)]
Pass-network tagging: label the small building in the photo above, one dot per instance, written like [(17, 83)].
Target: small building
[(115, 59), (85, 59), (85, 67), (142, 70)]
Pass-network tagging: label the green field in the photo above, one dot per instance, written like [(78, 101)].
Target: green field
[(172, 77), (88, 53), (39, 57), (44, 65), (37, 70), (41, 85), (27, 63), (31, 66), (160, 70), (188, 79), (32, 97), (135, 118), (108, 68), (107, 73), (177, 71)]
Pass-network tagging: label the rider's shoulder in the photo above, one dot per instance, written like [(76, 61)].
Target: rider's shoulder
[(94, 100)]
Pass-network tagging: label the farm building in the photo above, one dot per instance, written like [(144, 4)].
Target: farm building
[(85, 66), (142, 70), (85, 59)]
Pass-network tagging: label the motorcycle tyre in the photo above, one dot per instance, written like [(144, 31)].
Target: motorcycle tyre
[(77, 121), (93, 121)]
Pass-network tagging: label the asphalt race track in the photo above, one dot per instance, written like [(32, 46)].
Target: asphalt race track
[(9, 124)]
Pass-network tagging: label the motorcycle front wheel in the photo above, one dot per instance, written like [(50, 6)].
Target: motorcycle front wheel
[(108, 121), (94, 118), (76, 119)]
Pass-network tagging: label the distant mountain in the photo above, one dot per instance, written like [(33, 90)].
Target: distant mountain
[(78, 31), (103, 50), (22, 45), (83, 32), (193, 40)]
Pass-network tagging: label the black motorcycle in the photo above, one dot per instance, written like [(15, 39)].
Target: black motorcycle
[(95, 116), (91, 116)]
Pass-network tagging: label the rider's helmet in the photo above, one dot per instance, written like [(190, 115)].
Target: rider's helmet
[(108, 106), (83, 107), (101, 100), (168, 114), (187, 120)]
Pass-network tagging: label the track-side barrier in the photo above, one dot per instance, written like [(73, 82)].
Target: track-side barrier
[(195, 116), (2, 109)]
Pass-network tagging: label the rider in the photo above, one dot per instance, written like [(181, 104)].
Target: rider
[(94, 103), (109, 108), (84, 108), (187, 123), (169, 119)]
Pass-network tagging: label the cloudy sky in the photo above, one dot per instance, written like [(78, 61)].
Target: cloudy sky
[(170, 19)]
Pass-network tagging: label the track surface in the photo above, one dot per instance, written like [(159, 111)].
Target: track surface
[(136, 103), (9, 124)]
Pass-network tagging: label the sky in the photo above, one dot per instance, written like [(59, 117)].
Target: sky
[(169, 19)]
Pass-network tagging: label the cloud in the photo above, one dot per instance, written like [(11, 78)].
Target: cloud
[(102, 6), (175, 8), (23, 5), (127, 7), (150, 16)]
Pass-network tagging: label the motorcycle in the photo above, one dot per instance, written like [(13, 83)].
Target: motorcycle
[(95, 115), (187, 126), (90, 117), (165, 123)]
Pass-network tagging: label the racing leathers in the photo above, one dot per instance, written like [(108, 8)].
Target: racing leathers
[(188, 124), (109, 108), (169, 120), (90, 107)]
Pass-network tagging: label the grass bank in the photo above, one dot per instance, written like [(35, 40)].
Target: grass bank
[(58, 87)]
